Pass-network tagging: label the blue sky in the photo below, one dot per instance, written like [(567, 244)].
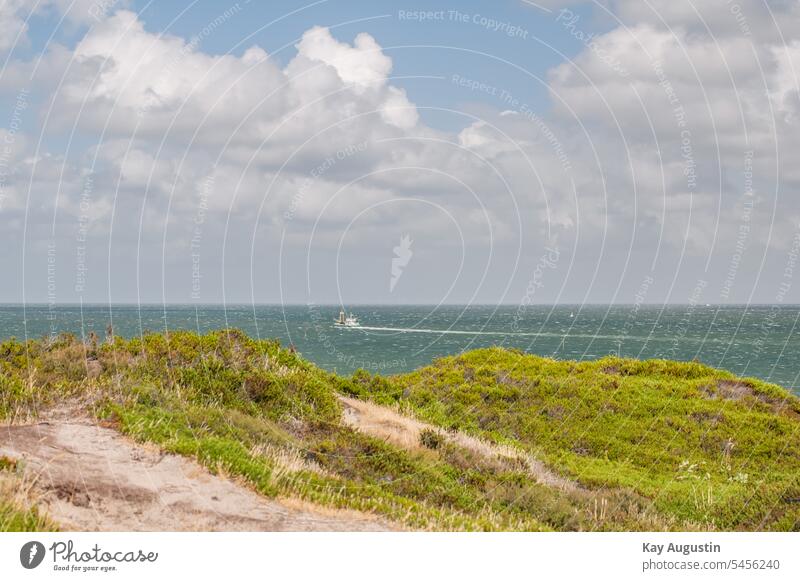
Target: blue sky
[(428, 48), (281, 151)]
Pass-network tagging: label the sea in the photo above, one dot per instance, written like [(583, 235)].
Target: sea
[(750, 340)]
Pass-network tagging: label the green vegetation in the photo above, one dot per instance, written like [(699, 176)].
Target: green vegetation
[(649, 445), (704, 447), (16, 519), (17, 513)]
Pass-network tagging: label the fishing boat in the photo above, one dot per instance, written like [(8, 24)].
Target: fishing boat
[(346, 320)]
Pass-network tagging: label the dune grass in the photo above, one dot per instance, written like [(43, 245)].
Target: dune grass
[(651, 445), (18, 512), (702, 445)]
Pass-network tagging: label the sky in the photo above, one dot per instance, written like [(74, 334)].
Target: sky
[(346, 152)]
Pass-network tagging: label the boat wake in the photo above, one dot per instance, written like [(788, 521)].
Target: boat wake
[(457, 332), (507, 334)]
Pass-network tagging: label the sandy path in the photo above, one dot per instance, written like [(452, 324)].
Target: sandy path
[(404, 431), (92, 478)]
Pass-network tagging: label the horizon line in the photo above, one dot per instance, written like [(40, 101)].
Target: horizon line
[(371, 304)]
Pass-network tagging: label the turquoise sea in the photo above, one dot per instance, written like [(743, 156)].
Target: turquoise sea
[(761, 341)]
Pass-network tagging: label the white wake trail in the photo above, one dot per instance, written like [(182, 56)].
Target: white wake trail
[(504, 334), (440, 331), (458, 332)]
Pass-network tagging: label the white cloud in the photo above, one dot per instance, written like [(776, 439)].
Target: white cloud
[(397, 110), (13, 25), (363, 65), (784, 81), (700, 102), (126, 79), (330, 135), (15, 16)]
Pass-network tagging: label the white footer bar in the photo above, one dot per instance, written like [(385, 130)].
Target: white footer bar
[(406, 556)]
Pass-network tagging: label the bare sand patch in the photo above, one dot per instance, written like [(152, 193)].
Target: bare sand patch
[(89, 478)]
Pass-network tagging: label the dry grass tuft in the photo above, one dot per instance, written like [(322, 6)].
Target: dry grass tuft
[(288, 460)]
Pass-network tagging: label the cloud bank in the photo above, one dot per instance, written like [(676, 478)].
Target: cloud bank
[(176, 174)]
